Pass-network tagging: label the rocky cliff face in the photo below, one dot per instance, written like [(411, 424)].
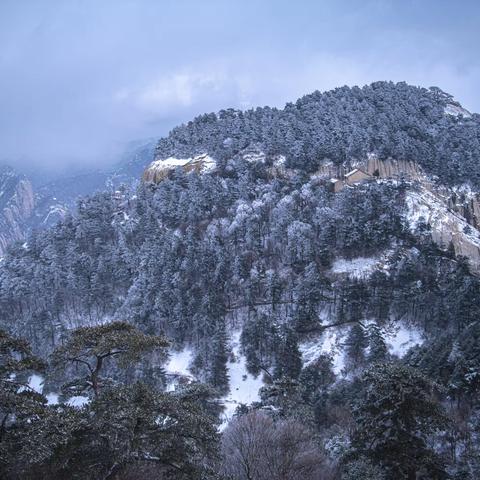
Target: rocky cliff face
[(452, 214), (447, 227), (17, 204), (159, 169)]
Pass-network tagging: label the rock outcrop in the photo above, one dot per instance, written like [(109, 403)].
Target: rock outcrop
[(17, 204), (159, 169), (448, 228), (452, 214)]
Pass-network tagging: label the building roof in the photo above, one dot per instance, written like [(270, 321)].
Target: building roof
[(355, 170)]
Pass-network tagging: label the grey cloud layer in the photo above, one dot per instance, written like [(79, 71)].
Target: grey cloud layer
[(79, 78)]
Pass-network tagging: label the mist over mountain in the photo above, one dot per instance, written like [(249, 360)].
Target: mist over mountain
[(39, 199)]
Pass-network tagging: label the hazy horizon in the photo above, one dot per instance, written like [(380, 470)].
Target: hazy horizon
[(81, 79)]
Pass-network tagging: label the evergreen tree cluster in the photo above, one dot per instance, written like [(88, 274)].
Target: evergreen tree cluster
[(388, 119)]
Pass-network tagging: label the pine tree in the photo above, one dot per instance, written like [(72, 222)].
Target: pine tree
[(90, 348), (377, 348), (356, 343), (395, 414), (218, 376), (288, 358)]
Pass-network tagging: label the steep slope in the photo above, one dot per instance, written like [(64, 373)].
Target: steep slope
[(16, 206)]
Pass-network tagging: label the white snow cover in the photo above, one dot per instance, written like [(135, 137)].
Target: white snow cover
[(179, 361), (418, 209), (35, 382), (59, 210), (279, 161), (456, 111), (425, 205), (52, 398), (207, 162), (244, 387), (177, 367), (329, 342), (360, 267), (77, 401), (402, 337)]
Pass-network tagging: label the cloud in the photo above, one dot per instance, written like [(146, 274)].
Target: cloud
[(174, 90), (79, 79)]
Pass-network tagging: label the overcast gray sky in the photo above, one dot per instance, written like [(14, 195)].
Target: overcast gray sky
[(79, 78)]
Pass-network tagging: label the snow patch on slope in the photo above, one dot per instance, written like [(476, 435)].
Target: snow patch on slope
[(177, 367), (77, 401), (244, 387), (402, 337), (456, 111), (35, 382), (360, 267), (328, 343)]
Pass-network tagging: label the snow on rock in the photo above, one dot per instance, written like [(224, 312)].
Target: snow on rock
[(360, 267), (244, 387), (159, 169), (401, 337), (447, 227), (456, 111)]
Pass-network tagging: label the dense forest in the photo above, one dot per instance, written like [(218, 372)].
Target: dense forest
[(343, 125), (96, 303)]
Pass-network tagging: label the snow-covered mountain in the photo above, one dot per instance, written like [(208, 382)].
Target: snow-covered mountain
[(309, 263)]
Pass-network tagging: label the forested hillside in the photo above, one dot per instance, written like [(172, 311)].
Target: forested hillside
[(388, 119), (266, 278)]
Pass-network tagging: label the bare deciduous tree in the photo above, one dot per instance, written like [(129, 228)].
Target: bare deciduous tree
[(257, 448)]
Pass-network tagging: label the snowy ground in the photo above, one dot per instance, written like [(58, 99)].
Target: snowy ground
[(329, 342), (360, 267), (35, 382), (177, 367), (244, 387), (401, 337)]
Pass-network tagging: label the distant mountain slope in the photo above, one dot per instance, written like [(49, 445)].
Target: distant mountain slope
[(16, 206), (27, 205)]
